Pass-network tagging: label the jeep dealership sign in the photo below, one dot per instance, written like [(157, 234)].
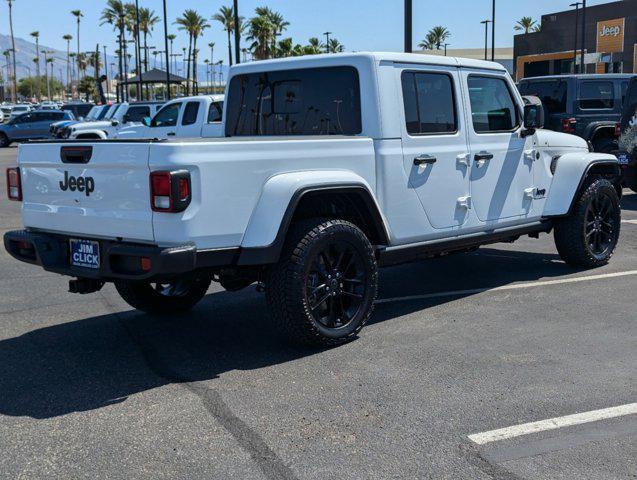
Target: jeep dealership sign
[(610, 35)]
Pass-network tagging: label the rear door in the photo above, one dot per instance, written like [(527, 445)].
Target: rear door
[(435, 148), (501, 160), (213, 127), (192, 119), (92, 190)]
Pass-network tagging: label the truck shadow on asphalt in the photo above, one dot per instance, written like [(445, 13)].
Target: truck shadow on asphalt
[(95, 362), (629, 202)]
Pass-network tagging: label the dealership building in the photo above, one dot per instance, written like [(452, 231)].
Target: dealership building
[(610, 44)]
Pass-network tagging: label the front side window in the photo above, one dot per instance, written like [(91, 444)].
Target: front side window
[(429, 103), (138, 113), (312, 101), (190, 113), (215, 112), (167, 116), (552, 93), (112, 111), (492, 106), (596, 95)]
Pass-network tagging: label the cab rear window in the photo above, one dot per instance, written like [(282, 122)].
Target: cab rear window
[(313, 101)]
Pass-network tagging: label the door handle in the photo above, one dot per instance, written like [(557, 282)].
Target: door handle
[(425, 160), (483, 157), (171, 134)]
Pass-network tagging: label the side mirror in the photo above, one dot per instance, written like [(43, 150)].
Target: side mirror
[(115, 123), (126, 118), (146, 121), (533, 115)]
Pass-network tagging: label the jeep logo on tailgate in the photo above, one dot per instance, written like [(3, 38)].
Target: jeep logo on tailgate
[(81, 184)]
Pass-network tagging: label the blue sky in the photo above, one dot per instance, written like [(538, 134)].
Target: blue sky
[(358, 24)]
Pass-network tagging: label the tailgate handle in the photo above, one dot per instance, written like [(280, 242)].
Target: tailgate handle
[(76, 154)]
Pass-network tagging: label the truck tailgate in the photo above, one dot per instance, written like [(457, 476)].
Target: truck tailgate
[(92, 189)]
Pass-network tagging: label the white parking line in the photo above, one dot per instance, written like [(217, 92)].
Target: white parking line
[(632, 222), (553, 423), (517, 286)]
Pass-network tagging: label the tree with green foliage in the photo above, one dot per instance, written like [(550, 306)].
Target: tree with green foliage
[(225, 16), (28, 86), (526, 24)]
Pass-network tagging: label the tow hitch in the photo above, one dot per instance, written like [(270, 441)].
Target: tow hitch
[(85, 285)]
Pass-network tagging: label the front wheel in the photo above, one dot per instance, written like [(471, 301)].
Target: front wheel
[(589, 235), (4, 141), (176, 296), (323, 289)]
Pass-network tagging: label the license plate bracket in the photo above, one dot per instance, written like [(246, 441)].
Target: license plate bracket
[(84, 253)]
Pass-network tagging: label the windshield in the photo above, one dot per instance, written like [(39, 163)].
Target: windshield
[(102, 111), (112, 110), (92, 114)]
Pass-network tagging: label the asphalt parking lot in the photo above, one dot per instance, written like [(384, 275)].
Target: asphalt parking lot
[(500, 364)]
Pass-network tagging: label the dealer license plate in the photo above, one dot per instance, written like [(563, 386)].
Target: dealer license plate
[(85, 253)]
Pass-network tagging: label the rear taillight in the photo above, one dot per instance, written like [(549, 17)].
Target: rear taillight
[(618, 130), (569, 125), (170, 191), (14, 185)]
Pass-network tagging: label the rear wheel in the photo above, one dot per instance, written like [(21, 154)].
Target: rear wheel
[(589, 235), (323, 289), (4, 140), (168, 297)]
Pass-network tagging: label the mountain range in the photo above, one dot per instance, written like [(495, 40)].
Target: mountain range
[(26, 52)]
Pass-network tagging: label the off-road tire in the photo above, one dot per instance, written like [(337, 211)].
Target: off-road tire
[(145, 296), (571, 232), (287, 288), (4, 141)]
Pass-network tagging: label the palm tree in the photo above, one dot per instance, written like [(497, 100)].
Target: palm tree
[(278, 24), (68, 39), (36, 35), (525, 23), (147, 22), (334, 46), (537, 28), (194, 24), (78, 15), (225, 16), (314, 47), (172, 38), (438, 35), (428, 42), (261, 31), (73, 55), (115, 14), (14, 91)]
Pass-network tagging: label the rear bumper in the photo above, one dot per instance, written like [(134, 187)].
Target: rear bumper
[(118, 260)]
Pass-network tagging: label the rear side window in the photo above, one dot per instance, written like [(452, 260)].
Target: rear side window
[(429, 103), (167, 116), (552, 93), (596, 95), (215, 112), (138, 113), (313, 101), (492, 106), (190, 113)]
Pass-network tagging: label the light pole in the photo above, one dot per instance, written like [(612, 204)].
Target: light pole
[(493, 32), (486, 38), (46, 73), (167, 54), (408, 25), (576, 5), (446, 45), (237, 33), (138, 59), (327, 41), (583, 68)]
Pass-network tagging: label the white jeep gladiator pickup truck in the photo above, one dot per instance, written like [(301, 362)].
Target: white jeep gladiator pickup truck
[(330, 167)]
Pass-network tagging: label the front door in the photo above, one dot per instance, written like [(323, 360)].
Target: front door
[(435, 150), (164, 124), (501, 158)]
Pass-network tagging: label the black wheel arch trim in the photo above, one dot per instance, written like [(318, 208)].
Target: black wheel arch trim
[(271, 253)]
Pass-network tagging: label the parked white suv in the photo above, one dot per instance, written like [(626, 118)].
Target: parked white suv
[(198, 116), (331, 166), (121, 115)]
